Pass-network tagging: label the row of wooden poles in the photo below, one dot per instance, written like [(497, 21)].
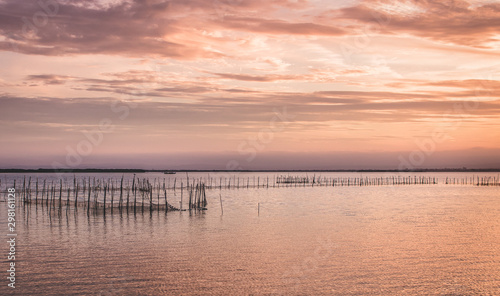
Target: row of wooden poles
[(287, 180), (296, 181), (102, 194), (95, 193), (477, 181), (144, 186)]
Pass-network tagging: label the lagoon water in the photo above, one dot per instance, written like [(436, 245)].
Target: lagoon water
[(360, 240)]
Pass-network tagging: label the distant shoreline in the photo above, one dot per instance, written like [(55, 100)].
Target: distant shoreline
[(239, 171)]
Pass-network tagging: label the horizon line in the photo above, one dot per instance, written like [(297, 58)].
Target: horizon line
[(132, 170)]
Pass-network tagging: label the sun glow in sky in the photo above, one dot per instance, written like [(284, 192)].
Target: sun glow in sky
[(269, 84)]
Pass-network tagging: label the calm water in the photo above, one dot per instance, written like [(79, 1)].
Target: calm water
[(375, 240)]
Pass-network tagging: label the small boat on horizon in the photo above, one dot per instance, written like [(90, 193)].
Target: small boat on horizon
[(169, 172)]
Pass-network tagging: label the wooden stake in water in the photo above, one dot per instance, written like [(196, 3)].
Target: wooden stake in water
[(221, 209), (67, 199), (128, 196), (158, 197), (112, 194), (60, 193), (190, 199), (88, 201), (121, 195), (150, 198), (76, 196), (36, 194), (135, 200), (166, 202), (24, 188), (43, 190), (104, 205)]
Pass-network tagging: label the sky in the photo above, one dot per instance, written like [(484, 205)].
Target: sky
[(241, 84)]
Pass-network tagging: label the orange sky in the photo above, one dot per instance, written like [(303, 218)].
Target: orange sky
[(259, 84)]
